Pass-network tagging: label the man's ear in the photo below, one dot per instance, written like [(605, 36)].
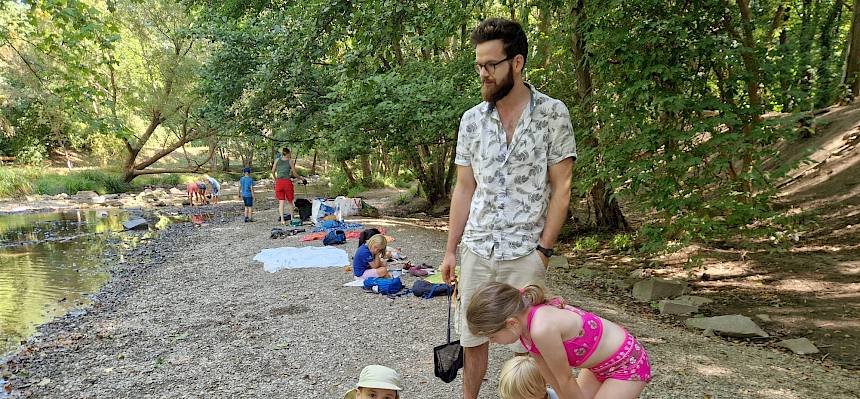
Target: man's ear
[(519, 63)]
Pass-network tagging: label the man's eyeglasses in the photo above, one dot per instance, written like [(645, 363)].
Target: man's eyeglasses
[(490, 66)]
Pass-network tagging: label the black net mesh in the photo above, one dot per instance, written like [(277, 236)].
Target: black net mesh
[(448, 358)]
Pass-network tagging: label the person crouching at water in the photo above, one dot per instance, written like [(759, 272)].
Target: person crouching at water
[(367, 261), (215, 188), (192, 190), (613, 363)]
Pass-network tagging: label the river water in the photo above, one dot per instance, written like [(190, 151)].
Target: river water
[(49, 263)]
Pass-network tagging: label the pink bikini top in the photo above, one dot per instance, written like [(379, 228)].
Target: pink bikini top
[(579, 348)]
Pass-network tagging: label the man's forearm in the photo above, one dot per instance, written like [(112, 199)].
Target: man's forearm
[(555, 217), (461, 201), (560, 176)]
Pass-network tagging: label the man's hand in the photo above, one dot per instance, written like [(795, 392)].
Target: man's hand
[(449, 268), (543, 258)]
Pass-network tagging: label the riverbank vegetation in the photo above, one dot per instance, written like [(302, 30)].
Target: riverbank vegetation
[(685, 107)]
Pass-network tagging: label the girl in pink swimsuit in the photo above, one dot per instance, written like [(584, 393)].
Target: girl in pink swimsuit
[(613, 363)]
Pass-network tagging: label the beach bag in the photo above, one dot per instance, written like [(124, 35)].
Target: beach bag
[(304, 207), (384, 286), (334, 237), (427, 290), (448, 358)]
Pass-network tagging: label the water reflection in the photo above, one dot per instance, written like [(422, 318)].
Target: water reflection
[(47, 262)]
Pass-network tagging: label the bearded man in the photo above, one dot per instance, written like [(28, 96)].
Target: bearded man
[(515, 154)]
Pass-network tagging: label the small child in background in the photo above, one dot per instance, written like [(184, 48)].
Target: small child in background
[(246, 190), (367, 261), (376, 382), (521, 379)]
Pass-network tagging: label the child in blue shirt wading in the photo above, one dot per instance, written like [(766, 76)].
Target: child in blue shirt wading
[(367, 261), (246, 190)]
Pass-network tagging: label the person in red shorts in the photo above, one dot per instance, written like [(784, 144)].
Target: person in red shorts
[(283, 169)]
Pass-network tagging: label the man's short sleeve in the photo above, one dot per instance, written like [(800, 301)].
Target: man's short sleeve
[(562, 144), (467, 123)]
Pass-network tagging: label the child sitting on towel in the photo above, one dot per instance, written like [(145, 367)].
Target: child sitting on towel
[(521, 379), (367, 261)]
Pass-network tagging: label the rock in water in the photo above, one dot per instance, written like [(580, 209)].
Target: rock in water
[(136, 224)]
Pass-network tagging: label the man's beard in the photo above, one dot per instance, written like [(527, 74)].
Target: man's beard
[(503, 88)]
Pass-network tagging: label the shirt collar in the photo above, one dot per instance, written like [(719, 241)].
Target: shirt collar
[(488, 108)]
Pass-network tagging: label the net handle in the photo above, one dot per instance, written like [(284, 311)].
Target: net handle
[(451, 293)]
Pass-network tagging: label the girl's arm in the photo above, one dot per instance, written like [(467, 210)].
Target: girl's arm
[(274, 167), (553, 363), (377, 262)]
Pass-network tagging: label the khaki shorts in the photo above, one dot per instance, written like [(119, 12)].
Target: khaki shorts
[(475, 270)]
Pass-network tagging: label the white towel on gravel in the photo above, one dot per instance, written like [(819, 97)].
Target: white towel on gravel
[(275, 259)]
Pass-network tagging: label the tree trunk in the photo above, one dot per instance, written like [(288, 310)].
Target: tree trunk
[(366, 170), (853, 66), (803, 76), (607, 212), (213, 146), (350, 177), (829, 29), (314, 163)]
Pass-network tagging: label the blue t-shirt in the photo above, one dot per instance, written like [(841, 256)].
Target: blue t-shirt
[(361, 260), (245, 184)]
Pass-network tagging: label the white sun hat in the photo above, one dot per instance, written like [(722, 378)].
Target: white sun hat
[(376, 376)]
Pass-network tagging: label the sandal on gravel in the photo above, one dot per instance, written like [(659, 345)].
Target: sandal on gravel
[(418, 272)]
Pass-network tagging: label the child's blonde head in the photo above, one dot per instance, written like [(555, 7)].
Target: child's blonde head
[(377, 241), (494, 303), (521, 379)]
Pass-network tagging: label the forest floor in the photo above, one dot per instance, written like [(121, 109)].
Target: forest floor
[(805, 282)]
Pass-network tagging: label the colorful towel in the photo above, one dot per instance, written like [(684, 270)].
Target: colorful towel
[(350, 235), (338, 226)]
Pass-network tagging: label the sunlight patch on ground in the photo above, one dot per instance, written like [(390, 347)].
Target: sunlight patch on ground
[(712, 371), (850, 267), (777, 393)]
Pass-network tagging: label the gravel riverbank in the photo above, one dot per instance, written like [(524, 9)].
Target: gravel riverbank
[(190, 314)]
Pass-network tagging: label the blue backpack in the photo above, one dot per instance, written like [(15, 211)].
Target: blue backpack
[(385, 286), (427, 290), (334, 237)]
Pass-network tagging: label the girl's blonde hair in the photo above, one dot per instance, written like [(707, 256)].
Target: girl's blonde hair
[(377, 240), (494, 303), (521, 379)]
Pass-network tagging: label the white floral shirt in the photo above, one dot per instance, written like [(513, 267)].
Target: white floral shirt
[(508, 209)]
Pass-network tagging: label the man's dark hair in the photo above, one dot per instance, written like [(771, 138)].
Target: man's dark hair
[(285, 150), (509, 32)]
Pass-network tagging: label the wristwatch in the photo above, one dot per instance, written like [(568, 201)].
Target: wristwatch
[(548, 252)]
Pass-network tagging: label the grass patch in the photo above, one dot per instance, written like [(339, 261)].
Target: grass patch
[(17, 182), (88, 180)]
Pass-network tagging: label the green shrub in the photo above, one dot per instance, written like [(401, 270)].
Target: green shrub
[(621, 242), (355, 191), (16, 182), (589, 243)]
